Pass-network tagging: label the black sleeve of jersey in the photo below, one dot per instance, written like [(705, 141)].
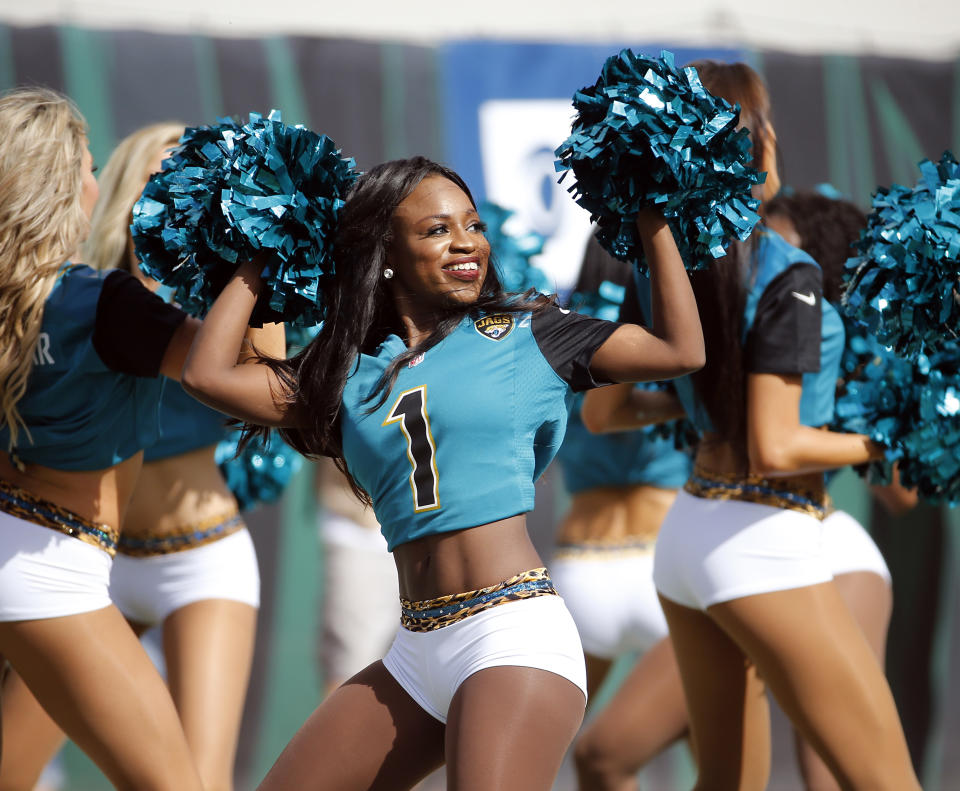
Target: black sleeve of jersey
[(133, 326), (785, 336), (630, 310), (568, 340)]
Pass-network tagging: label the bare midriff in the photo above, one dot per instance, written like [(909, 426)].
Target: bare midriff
[(465, 560), (615, 515), (177, 493), (99, 496)]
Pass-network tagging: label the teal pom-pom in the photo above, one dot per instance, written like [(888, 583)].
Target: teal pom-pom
[(513, 252), (261, 471), (232, 192), (648, 134), (904, 284), (911, 407)]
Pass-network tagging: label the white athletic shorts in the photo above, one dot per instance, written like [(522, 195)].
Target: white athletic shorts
[(849, 547), (712, 551), (612, 600), (360, 610), (147, 589), (536, 632), (48, 574)]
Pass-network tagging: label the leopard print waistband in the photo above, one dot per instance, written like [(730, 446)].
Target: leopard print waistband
[(431, 614), (604, 550), (804, 493), (205, 532), (30, 508)]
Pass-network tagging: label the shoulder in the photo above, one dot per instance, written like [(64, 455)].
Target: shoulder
[(74, 297), (778, 265), (775, 253), (77, 279)]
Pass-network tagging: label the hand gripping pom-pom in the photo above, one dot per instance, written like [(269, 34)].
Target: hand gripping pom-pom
[(233, 192), (648, 135), (904, 284), (260, 473), (911, 407), (512, 252)]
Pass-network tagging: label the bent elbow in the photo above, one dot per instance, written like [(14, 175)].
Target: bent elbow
[(695, 361), (688, 363), (594, 421), (194, 380), (768, 460)]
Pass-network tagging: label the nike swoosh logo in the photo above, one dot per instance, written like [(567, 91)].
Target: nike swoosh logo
[(809, 299)]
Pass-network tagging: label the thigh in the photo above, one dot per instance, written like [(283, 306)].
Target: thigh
[(94, 679), (509, 727), (30, 737), (597, 669), (367, 734), (726, 702), (647, 713), (208, 646), (869, 598), (817, 662)]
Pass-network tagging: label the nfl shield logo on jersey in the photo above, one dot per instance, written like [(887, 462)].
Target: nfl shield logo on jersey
[(496, 327)]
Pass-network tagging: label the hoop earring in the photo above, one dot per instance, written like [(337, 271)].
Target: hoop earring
[(387, 273)]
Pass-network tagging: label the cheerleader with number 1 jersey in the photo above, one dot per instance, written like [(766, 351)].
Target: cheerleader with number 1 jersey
[(443, 399)]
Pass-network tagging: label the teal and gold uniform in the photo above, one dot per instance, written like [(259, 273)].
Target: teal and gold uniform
[(788, 328), (185, 423), (624, 458), (470, 425), (93, 393)]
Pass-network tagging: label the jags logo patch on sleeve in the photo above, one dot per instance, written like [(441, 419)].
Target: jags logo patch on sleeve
[(495, 327)]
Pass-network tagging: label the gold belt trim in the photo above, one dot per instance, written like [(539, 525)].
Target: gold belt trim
[(602, 550), (191, 537), (432, 614), (804, 493), (24, 505)]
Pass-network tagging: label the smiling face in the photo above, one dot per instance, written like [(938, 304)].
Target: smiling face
[(438, 251)]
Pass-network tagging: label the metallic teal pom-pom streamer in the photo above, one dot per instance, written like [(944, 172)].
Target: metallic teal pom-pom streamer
[(260, 473), (905, 282), (512, 252), (912, 407), (648, 134), (232, 190)]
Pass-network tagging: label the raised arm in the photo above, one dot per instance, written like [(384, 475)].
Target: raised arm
[(778, 444), (623, 407), (674, 345), (249, 391)]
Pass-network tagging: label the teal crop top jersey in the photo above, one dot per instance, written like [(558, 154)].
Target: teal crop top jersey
[(623, 458), (93, 392), (185, 423), (788, 328), (470, 425)]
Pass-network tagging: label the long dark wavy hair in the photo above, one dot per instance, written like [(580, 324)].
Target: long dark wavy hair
[(360, 311), (720, 290), (827, 228)]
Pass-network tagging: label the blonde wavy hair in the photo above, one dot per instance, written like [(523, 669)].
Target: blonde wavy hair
[(121, 182), (43, 138)]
